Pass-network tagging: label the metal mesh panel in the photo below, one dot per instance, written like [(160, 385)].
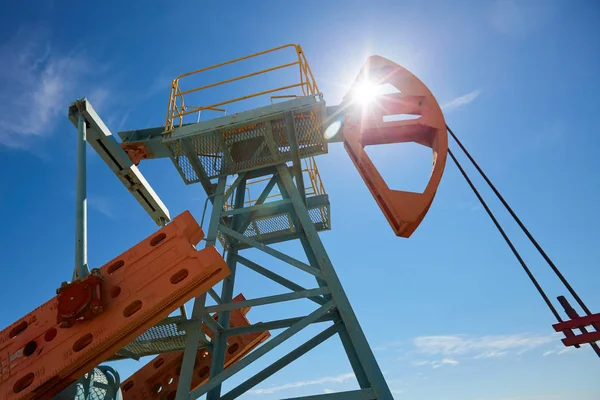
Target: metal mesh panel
[(92, 386), (182, 163), (158, 339), (308, 133), (276, 223), (259, 143), (248, 148), (320, 216), (280, 224), (210, 152)]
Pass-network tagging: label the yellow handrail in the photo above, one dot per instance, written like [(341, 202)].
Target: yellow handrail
[(177, 108)]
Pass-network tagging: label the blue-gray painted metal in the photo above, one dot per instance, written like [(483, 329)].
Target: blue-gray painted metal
[(278, 324), (81, 268), (102, 140), (278, 298), (220, 341), (359, 341), (244, 117), (357, 367), (277, 278), (290, 129), (259, 207), (212, 324), (261, 199), (363, 394), (281, 363), (214, 296), (192, 156), (269, 250), (261, 351), (194, 333), (241, 177)]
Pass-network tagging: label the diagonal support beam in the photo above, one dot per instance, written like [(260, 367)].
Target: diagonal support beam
[(290, 128), (257, 207), (278, 298), (281, 363), (192, 156), (364, 394), (215, 296), (261, 199), (234, 185), (278, 324), (355, 333), (261, 351), (277, 278), (271, 251)]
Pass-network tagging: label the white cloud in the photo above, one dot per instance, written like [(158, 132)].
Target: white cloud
[(559, 350), (491, 346), (328, 379), (436, 364), (37, 84), (101, 204), (328, 391), (461, 101)]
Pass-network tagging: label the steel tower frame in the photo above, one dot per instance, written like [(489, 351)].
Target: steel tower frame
[(270, 141), (329, 296)]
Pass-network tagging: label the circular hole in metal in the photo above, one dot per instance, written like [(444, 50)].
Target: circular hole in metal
[(127, 386), (115, 266), (156, 240), (29, 348), (83, 342), (233, 348), (50, 335), (203, 372), (115, 291), (179, 276), (17, 330), (132, 308), (159, 362), (23, 383)]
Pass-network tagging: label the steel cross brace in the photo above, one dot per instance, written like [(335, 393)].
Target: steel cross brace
[(330, 296)]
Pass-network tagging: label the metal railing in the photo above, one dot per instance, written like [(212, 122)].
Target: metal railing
[(313, 188), (178, 109)]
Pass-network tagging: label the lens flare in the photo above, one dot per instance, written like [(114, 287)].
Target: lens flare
[(332, 129), (365, 93)]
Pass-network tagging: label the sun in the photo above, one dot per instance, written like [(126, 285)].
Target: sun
[(365, 93)]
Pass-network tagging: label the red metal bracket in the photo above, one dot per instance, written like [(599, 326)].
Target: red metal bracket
[(573, 339), (141, 287), (80, 300), (159, 378), (403, 210)]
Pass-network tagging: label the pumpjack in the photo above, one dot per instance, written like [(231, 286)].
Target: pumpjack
[(134, 305)]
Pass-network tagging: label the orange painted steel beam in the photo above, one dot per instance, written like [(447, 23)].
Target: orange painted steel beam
[(159, 378), (140, 287), (364, 127)]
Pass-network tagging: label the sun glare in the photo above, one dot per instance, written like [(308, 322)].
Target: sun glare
[(365, 93)]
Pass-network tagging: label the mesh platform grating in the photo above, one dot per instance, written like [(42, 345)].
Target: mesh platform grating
[(267, 228), (243, 147), (93, 392), (161, 338)]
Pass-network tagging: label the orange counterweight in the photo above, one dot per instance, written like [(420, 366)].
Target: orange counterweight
[(366, 126), (39, 356), (159, 378)]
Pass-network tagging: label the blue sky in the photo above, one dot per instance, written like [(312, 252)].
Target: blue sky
[(449, 312)]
